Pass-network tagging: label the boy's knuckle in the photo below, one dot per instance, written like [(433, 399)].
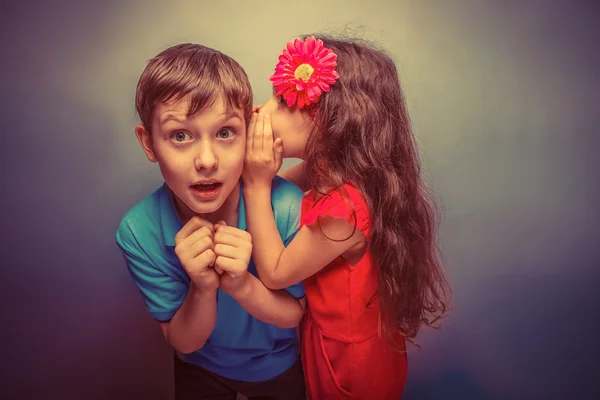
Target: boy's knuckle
[(209, 256), (178, 250)]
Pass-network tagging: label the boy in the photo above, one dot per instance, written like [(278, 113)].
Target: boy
[(186, 246)]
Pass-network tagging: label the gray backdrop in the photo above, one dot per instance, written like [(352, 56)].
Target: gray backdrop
[(504, 101)]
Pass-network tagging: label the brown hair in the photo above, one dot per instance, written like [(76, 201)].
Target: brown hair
[(363, 135), (195, 70)]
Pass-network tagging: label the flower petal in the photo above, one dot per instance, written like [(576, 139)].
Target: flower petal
[(301, 99), (317, 89), (290, 97), (311, 44), (298, 46), (290, 47), (310, 92), (328, 57), (324, 86), (280, 91)]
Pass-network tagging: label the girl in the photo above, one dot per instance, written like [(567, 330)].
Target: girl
[(366, 250)]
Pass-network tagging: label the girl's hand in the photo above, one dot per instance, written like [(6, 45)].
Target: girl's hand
[(263, 155)]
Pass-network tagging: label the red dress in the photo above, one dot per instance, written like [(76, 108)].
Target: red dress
[(342, 354)]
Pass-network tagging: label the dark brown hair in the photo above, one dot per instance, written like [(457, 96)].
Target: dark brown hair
[(363, 135), (195, 70)]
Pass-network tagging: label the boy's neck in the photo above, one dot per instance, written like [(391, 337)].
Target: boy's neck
[(228, 211)]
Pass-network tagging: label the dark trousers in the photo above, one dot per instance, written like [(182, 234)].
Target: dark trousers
[(195, 383)]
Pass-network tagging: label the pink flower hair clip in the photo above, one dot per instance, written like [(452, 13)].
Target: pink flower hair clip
[(305, 70)]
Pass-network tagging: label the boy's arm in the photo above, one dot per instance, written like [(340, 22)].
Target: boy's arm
[(186, 314), (297, 175), (193, 323), (275, 307)]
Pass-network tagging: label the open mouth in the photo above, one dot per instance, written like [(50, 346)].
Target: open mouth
[(206, 190), (207, 187)]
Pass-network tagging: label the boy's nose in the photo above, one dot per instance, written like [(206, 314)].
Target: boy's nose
[(206, 159)]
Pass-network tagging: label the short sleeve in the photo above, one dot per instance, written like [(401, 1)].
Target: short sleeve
[(163, 294), (350, 205)]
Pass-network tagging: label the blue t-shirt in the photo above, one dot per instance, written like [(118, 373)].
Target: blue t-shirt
[(240, 346)]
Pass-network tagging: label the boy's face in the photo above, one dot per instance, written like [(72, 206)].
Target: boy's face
[(201, 156)]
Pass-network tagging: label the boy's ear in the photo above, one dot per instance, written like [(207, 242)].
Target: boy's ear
[(146, 142)]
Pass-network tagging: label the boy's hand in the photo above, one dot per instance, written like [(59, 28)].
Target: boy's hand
[(194, 248), (233, 248), (263, 155)]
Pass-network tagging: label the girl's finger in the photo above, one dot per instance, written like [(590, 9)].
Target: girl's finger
[(267, 135), (258, 134), (250, 134), (278, 152)]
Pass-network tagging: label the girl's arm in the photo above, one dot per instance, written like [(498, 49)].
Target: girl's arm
[(275, 307), (233, 250), (296, 174), (310, 251)]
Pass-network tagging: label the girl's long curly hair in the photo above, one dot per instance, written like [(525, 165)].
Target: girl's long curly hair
[(363, 135)]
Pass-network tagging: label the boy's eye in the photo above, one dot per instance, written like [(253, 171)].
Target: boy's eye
[(225, 133), (281, 99), (181, 136)]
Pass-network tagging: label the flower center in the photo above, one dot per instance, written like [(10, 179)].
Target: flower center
[(304, 72)]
